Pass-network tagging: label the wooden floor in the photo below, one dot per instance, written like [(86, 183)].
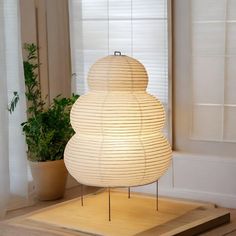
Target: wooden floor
[(229, 229)]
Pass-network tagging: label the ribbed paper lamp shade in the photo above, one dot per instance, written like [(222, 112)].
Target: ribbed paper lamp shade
[(118, 140)]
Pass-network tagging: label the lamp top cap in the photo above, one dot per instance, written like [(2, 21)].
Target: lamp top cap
[(117, 73)]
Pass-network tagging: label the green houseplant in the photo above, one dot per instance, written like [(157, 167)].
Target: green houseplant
[(47, 130)]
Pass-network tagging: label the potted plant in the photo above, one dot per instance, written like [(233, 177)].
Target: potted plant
[(47, 131)]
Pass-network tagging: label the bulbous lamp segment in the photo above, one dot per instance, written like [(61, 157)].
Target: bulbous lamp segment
[(118, 140)]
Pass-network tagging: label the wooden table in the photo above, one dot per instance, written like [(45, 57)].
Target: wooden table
[(134, 216)]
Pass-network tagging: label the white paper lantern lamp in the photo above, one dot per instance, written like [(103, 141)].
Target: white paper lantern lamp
[(118, 139)]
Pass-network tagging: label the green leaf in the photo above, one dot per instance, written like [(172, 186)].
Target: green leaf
[(13, 102)]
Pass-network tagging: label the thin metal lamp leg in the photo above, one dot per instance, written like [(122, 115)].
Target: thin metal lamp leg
[(128, 192), (157, 205), (82, 195), (109, 203)]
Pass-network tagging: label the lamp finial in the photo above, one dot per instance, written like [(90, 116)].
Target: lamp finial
[(117, 53)]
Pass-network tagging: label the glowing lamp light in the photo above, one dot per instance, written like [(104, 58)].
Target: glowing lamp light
[(118, 139)]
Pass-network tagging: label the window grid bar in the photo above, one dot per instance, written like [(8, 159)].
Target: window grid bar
[(213, 21), (125, 19), (225, 70)]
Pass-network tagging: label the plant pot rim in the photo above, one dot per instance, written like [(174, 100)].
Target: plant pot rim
[(45, 161)]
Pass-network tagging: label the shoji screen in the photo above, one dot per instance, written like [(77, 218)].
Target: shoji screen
[(136, 28), (214, 69)]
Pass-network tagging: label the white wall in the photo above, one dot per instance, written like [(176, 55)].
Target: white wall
[(205, 178)]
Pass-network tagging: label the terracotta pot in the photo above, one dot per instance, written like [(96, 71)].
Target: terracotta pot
[(49, 179)]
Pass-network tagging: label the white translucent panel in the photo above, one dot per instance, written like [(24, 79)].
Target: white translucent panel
[(77, 30), (208, 79), (120, 37), (208, 9), (76, 44), (231, 10), (208, 39), (149, 8), (119, 9), (13, 56), (231, 39), (95, 34), (90, 56), (230, 82), (78, 70), (207, 122), (13, 155), (229, 123), (150, 36), (77, 56), (94, 9), (75, 10)]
